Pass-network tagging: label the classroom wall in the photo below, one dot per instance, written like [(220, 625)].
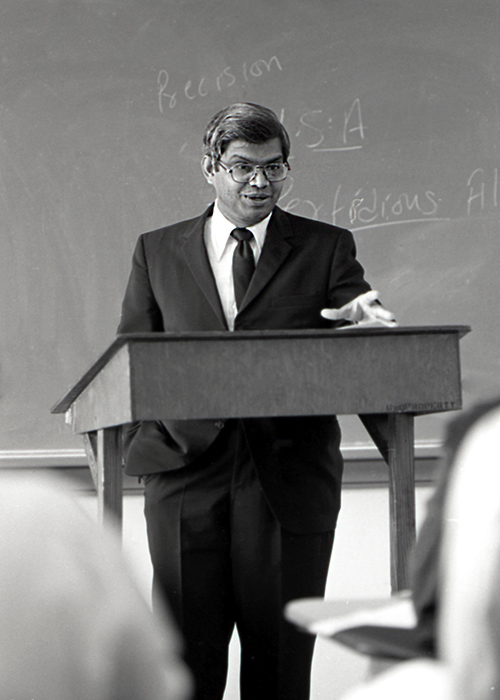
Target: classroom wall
[(392, 107)]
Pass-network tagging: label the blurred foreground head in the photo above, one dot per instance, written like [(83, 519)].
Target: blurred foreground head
[(469, 626), (73, 625)]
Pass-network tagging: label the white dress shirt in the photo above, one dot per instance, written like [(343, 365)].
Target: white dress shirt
[(220, 247)]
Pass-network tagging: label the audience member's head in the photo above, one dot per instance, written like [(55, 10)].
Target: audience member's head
[(73, 625), (468, 580), (469, 623)]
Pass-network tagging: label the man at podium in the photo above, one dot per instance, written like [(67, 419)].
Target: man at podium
[(241, 513)]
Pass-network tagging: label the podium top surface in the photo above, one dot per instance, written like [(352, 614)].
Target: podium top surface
[(247, 336)]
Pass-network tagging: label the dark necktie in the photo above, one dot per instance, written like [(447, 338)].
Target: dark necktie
[(243, 263)]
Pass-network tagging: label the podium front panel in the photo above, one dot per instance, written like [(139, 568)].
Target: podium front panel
[(222, 375)]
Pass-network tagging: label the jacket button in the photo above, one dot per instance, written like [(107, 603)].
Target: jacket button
[(219, 424)]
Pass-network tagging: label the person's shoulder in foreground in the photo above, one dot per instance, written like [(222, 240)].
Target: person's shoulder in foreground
[(72, 622)]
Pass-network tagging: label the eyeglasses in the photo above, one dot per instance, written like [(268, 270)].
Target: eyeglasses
[(244, 172)]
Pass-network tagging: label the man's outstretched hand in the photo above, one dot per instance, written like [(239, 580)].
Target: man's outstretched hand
[(365, 310)]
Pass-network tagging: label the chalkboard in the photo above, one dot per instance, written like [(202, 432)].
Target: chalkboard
[(392, 106)]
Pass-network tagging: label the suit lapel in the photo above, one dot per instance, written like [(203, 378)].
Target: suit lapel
[(275, 251), (195, 253)]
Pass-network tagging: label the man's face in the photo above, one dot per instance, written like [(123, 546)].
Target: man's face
[(245, 204)]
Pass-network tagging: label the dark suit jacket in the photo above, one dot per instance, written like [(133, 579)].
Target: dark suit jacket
[(304, 267)]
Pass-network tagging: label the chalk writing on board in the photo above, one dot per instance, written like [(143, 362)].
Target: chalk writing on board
[(323, 133), (367, 208), (482, 190), (170, 96)]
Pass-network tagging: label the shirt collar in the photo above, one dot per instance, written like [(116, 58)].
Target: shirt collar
[(222, 227)]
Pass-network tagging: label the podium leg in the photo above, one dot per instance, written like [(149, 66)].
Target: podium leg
[(401, 497), (103, 449)]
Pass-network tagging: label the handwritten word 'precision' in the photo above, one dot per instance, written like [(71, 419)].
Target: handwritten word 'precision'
[(170, 96)]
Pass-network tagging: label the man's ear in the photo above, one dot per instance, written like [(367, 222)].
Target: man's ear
[(207, 166)]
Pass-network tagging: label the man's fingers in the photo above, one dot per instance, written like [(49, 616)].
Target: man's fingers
[(333, 314)]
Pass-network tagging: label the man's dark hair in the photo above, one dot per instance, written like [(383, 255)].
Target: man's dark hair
[(243, 121)]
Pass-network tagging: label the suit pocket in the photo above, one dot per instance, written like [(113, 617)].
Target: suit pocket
[(296, 301)]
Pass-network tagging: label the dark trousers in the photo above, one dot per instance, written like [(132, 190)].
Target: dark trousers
[(221, 559)]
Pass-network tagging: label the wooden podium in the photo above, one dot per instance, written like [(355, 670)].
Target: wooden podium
[(386, 376)]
